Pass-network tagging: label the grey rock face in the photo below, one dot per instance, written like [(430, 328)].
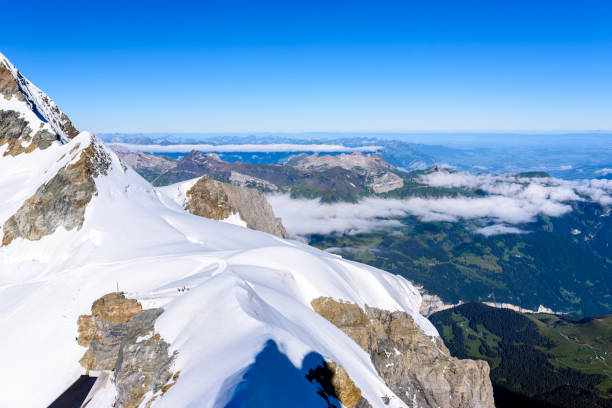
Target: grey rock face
[(417, 368), (61, 201), (16, 132), (217, 200), (139, 357), (12, 126)]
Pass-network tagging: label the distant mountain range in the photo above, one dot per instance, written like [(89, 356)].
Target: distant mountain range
[(343, 177), (569, 156)]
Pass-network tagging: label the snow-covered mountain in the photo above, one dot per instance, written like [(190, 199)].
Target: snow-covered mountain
[(101, 273)]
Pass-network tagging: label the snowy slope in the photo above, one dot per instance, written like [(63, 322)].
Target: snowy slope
[(247, 287)]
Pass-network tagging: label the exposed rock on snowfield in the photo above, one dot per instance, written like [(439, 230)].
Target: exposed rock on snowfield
[(120, 336), (62, 200), (222, 201), (420, 371), (17, 134)]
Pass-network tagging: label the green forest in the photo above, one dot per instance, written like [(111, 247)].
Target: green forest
[(537, 360)]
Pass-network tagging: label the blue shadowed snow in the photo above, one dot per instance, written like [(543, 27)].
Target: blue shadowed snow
[(273, 381)]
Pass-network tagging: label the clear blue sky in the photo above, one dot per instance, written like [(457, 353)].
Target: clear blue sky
[(228, 65)]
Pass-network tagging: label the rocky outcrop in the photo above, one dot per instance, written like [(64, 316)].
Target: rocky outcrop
[(17, 134), (217, 200), (62, 200), (417, 368), (120, 336)]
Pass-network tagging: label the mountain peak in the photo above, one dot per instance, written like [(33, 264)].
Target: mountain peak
[(19, 95)]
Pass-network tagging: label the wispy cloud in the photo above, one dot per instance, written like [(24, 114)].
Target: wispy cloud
[(604, 172), (511, 201), (261, 148), (498, 229)]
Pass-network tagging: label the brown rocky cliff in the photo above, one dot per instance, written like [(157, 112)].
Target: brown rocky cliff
[(416, 367), (217, 200)]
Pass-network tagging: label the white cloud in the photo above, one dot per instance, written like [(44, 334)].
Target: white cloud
[(529, 188), (511, 201), (263, 148), (303, 217), (498, 229), (604, 172)]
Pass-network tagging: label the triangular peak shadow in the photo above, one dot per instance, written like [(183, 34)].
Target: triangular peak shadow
[(272, 381)]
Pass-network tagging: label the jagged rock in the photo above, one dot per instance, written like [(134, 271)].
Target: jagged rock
[(417, 368), (16, 132), (62, 200), (217, 200), (115, 308), (120, 336)]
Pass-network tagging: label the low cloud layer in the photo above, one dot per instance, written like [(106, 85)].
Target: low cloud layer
[(260, 148), (527, 188), (510, 201)]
